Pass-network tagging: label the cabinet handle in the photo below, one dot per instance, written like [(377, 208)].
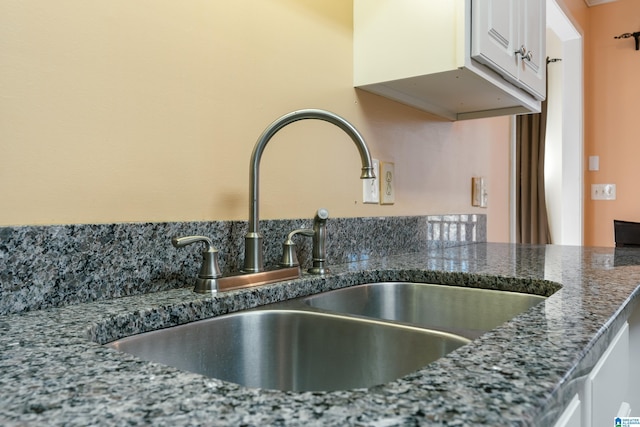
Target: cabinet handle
[(528, 56)]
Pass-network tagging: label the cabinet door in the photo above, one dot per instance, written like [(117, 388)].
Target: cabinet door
[(494, 35), (532, 35), (499, 29), (607, 384)]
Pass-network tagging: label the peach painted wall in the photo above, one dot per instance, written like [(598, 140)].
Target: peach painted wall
[(612, 94), (578, 12), (148, 110)]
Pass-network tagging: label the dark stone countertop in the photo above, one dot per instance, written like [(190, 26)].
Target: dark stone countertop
[(53, 371)]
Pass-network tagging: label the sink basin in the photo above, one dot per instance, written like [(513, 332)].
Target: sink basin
[(469, 312), (293, 350)]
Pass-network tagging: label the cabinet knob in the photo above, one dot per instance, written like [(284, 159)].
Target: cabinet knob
[(527, 55)]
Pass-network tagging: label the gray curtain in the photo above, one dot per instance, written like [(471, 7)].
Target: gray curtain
[(532, 225)]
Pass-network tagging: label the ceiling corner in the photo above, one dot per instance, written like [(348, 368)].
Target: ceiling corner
[(597, 2)]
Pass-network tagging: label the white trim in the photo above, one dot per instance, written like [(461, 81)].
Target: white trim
[(512, 183), (572, 222)]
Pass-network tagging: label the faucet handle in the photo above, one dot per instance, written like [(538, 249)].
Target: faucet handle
[(289, 256), (206, 281)]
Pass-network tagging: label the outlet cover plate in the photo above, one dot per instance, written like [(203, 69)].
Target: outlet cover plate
[(387, 183)]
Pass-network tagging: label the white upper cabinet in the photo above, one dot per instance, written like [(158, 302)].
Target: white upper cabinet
[(509, 37), (453, 58)]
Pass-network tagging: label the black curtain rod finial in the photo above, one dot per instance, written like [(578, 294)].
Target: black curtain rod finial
[(635, 35)]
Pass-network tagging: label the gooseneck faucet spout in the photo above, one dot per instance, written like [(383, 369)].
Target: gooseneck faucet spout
[(253, 259)]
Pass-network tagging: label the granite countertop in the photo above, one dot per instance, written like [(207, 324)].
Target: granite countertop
[(53, 370)]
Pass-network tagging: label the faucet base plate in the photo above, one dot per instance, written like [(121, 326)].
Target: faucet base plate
[(248, 280)]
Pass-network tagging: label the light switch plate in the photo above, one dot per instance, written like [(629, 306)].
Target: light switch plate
[(603, 191)]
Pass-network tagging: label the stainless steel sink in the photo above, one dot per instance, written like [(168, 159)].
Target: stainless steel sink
[(468, 312), (293, 350)]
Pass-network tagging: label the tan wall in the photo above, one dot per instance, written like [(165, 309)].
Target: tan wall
[(612, 91), (148, 110)]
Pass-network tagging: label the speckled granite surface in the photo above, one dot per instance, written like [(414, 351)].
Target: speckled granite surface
[(520, 374), (50, 266)]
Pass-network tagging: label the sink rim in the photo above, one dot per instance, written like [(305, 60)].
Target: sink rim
[(296, 304), (178, 310)]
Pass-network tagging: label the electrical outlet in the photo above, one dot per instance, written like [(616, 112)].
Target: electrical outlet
[(603, 191), (387, 183), (371, 187)]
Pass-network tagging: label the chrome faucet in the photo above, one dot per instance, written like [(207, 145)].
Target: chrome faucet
[(253, 254)]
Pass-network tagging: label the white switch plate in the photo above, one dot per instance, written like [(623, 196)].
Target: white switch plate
[(371, 187), (603, 191), (387, 183), (594, 163)]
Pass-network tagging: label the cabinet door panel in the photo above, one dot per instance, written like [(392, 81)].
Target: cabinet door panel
[(494, 35), (533, 37), (571, 416)]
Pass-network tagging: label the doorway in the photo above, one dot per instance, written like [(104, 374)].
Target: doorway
[(564, 175)]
